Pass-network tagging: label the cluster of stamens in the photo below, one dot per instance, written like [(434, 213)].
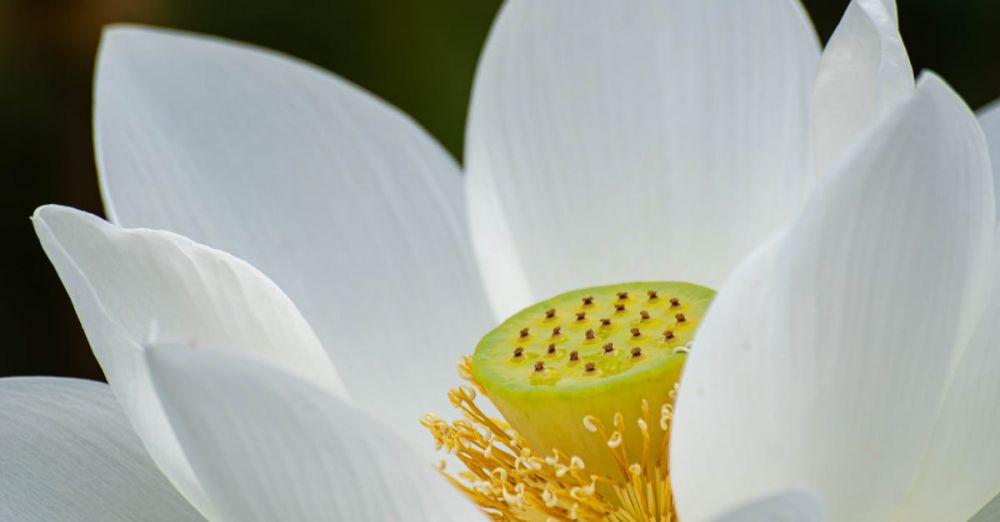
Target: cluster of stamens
[(510, 482)]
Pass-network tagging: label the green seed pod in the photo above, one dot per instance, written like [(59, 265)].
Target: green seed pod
[(597, 353)]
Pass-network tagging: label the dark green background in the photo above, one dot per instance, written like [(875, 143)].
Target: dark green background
[(418, 54)]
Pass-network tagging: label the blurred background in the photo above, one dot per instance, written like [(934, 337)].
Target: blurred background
[(420, 55)]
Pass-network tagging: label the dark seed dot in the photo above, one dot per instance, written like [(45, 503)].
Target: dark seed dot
[(636, 332), (539, 366), (636, 351), (581, 316), (524, 332), (589, 334), (552, 348), (651, 293), (622, 295), (550, 313), (680, 318), (605, 322), (619, 308), (590, 367), (589, 300), (674, 301), (518, 352), (644, 314), (669, 334), (556, 331), (608, 348), (574, 355)]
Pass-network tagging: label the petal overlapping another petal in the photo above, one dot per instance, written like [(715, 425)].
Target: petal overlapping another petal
[(131, 287), (68, 454), (342, 200), (824, 359)]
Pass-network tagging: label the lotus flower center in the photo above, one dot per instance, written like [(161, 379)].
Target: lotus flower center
[(586, 383)]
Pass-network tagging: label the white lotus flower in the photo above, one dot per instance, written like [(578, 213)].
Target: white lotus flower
[(846, 369)]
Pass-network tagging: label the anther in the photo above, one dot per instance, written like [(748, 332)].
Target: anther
[(518, 352), (589, 334), (539, 366), (619, 307), (644, 314), (605, 322), (674, 301), (589, 300), (622, 295), (636, 352), (552, 348), (636, 332), (608, 348), (651, 293), (680, 318), (590, 367), (669, 334), (556, 331), (581, 316), (524, 332), (574, 355), (550, 313)]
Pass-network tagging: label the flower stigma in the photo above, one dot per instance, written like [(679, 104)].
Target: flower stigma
[(586, 383)]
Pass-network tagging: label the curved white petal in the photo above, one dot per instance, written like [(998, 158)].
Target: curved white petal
[(864, 73), (132, 287), (789, 506), (989, 118), (68, 454), (344, 202), (269, 446), (989, 513), (964, 449), (890, 6), (822, 361), (649, 139)]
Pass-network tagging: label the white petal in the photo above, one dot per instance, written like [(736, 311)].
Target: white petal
[(343, 201), (649, 139), (863, 74), (790, 506), (269, 446), (989, 118), (961, 471), (989, 513), (132, 287), (821, 361), (890, 6), (68, 454)]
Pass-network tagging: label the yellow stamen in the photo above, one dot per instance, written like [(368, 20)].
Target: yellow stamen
[(511, 483)]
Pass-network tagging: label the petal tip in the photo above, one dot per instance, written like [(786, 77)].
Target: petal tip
[(120, 36), (53, 215), (949, 105), (48, 209), (930, 81), (119, 33)]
